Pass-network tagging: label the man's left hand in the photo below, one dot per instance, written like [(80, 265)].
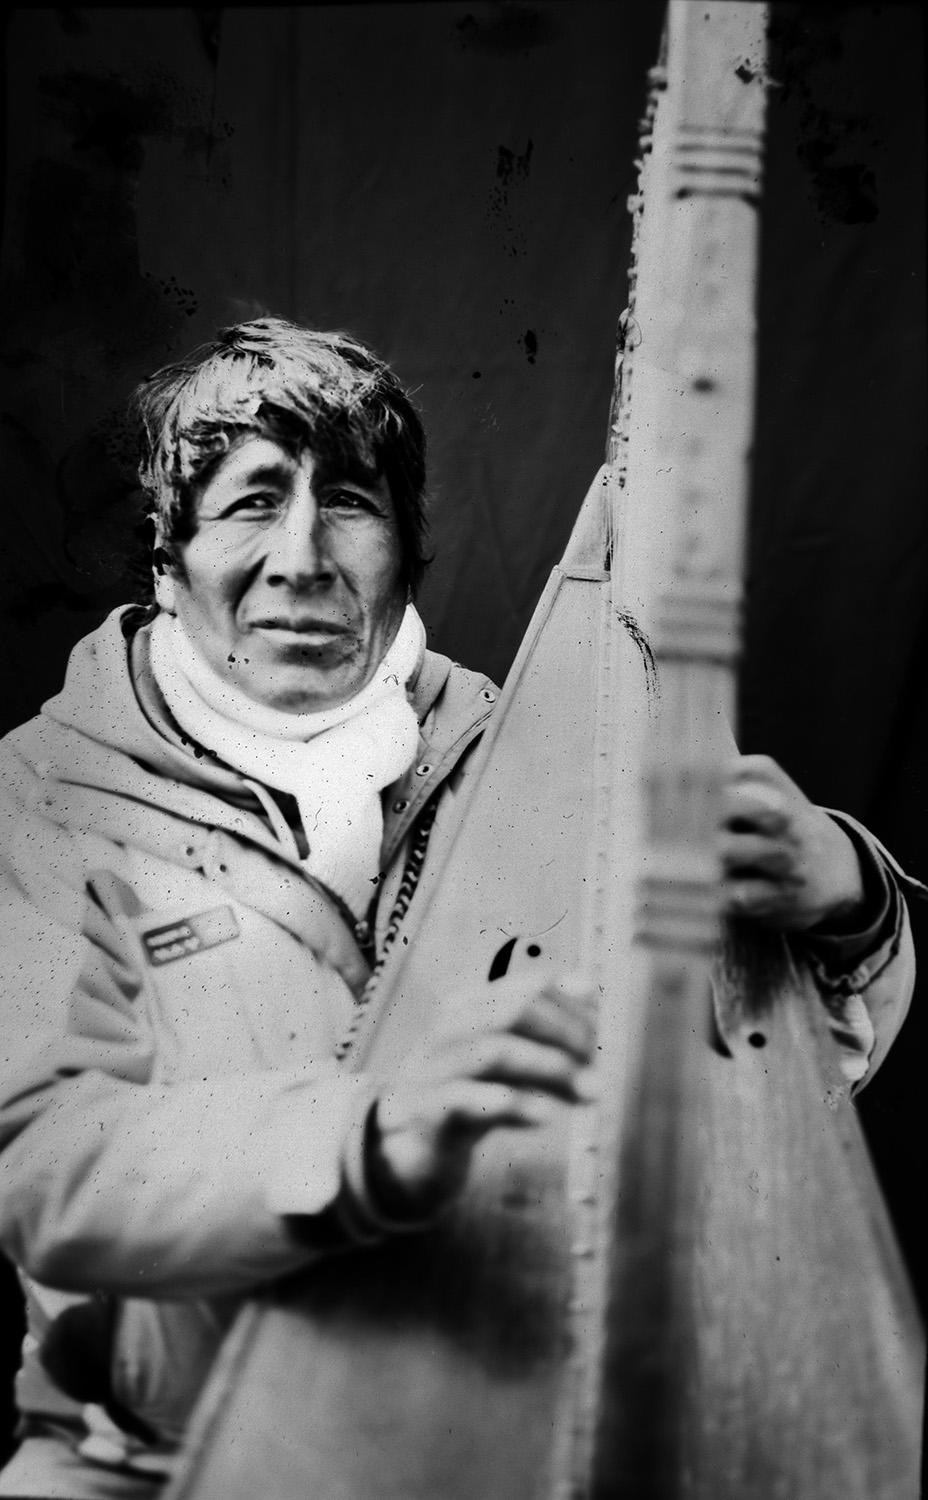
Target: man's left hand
[(785, 862)]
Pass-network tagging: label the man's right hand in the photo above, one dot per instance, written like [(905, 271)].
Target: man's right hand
[(512, 1049)]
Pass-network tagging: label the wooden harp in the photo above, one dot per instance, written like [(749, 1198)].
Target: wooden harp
[(692, 1289)]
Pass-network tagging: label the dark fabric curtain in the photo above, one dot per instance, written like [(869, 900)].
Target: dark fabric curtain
[(833, 683), (449, 181)]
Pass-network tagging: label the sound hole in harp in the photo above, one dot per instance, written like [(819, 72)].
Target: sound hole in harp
[(506, 957)]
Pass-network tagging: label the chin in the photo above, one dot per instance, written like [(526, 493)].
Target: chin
[(303, 697)]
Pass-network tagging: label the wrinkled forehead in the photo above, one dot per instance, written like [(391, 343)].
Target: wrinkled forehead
[(253, 457)]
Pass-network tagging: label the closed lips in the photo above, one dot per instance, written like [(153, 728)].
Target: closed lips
[(301, 627)]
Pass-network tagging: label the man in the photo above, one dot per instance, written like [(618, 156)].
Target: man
[(196, 888)]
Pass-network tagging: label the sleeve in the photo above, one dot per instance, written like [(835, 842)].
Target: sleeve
[(110, 1180), (866, 976)]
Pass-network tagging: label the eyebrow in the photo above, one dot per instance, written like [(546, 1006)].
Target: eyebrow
[(271, 473), (351, 469)]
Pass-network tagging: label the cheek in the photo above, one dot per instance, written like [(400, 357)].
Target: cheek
[(388, 601), (379, 571), (391, 566), (201, 606), (211, 576)]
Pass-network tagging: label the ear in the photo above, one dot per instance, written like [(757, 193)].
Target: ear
[(164, 592), (162, 570)]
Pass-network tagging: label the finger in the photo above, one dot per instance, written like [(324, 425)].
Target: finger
[(557, 1009), (753, 854), (571, 992), (559, 1020), (520, 1062), (763, 770), (474, 1106), (755, 898), (751, 806), (421, 1139), (573, 989), (538, 1041), (439, 1119)]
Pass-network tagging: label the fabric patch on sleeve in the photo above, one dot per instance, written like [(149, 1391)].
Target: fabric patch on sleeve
[(189, 935)]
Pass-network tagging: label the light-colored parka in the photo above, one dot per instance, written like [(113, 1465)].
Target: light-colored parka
[(175, 1129)]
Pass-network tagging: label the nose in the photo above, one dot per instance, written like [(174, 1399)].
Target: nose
[(298, 552)]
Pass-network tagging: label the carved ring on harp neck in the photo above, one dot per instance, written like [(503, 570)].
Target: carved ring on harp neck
[(678, 908), (717, 163), (699, 621)]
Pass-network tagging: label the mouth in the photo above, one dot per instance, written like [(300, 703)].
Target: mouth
[(300, 625), (300, 630)]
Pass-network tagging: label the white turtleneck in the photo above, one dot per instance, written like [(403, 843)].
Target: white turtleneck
[(335, 762)]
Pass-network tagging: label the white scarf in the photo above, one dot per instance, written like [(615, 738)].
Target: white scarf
[(335, 762)]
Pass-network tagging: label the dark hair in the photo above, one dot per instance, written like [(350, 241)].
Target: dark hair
[(323, 391)]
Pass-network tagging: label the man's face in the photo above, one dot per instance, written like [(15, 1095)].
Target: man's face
[(291, 584)]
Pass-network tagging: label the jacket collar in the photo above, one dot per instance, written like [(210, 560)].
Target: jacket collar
[(109, 702)]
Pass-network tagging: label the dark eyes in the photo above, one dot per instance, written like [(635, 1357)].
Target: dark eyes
[(345, 500), (253, 504), (264, 503)]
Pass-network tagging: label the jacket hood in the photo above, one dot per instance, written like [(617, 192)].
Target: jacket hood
[(108, 730), (109, 696)]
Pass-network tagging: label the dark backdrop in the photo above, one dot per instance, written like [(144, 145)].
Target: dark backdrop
[(449, 181)]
